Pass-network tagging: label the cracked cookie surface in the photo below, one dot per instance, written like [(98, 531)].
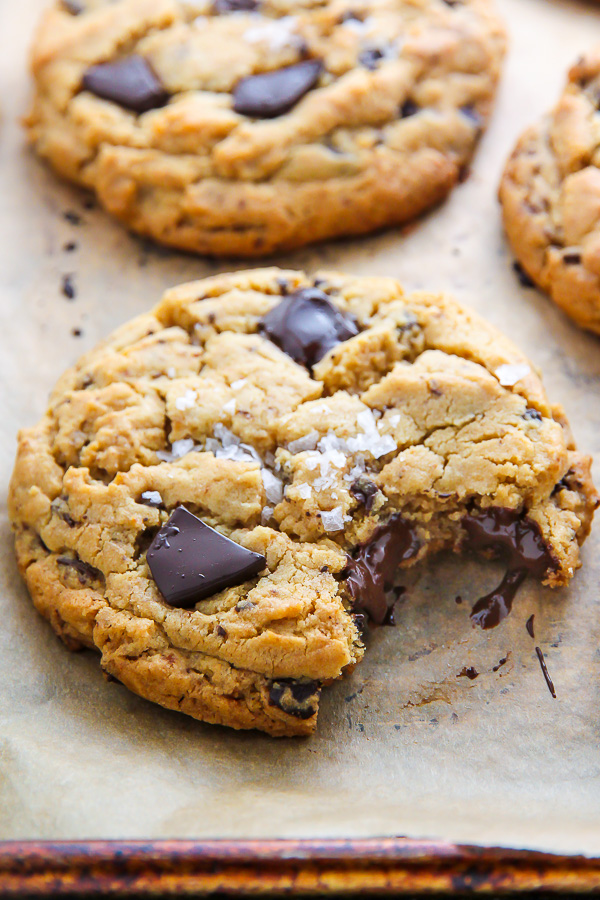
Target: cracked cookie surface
[(421, 418), (250, 127), (550, 196)]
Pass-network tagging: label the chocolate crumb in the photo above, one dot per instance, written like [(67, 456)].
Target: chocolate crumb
[(76, 332), (222, 632), (70, 246), (468, 672), (67, 287), (72, 217), (501, 663)]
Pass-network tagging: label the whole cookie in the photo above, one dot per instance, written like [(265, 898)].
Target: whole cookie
[(224, 492), (550, 195), (250, 126)]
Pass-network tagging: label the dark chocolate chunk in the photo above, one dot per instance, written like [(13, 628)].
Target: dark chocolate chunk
[(545, 671), (189, 560), (532, 414), (364, 491), (371, 57), (529, 626), (571, 259), (272, 94), (220, 7), (67, 287), (522, 275), (130, 82), (507, 533), (85, 572), (296, 698), (370, 573), (408, 108), (306, 325), (468, 672)]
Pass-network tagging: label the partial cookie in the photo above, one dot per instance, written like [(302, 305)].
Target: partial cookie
[(224, 491), (550, 195), (251, 126)]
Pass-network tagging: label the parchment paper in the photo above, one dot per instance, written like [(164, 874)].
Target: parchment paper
[(404, 746)]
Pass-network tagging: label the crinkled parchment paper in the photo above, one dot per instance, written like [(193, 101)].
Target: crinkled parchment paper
[(404, 746)]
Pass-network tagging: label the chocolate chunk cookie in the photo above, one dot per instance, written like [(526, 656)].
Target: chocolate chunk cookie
[(225, 492), (550, 195), (250, 126)]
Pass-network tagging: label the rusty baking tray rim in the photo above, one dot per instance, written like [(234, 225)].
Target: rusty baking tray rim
[(329, 867)]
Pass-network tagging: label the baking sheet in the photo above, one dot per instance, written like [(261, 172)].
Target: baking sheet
[(404, 746)]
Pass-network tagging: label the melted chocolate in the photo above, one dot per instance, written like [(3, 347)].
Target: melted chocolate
[(545, 671), (504, 532), (306, 325), (130, 82), (296, 698), (529, 626), (468, 672), (189, 560), (370, 573), (226, 6), (364, 491), (272, 94)]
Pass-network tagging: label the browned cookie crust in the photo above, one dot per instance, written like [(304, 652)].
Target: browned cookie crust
[(402, 90), (424, 412), (550, 195)]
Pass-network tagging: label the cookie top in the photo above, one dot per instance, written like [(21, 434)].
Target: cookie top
[(222, 491), (249, 126), (550, 195)]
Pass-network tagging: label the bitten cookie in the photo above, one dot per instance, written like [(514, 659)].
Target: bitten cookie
[(224, 491), (550, 195), (250, 126)]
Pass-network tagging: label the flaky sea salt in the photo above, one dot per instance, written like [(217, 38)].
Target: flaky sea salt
[(230, 407), (187, 401), (508, 374), (171, 372), (358, 25), (153, 498), (273, 486), (266, 514), (308, 442), (178, 449), (236, 385), (333, 519), (278, 34), (226, 445), (304, 490), (394, 420)]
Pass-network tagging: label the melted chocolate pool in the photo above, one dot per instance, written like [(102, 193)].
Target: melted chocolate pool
[(370, 573), (519, 540)]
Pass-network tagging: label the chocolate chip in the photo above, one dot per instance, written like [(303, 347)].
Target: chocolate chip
[(370, 573), (371, 57), (533, 415), (272, 94), (306, 325), (220, 7), (296, 698), (222, 632), (189, 560), (130, 82), (408, 108), (364, 491), (571, 259), (522, 275), (85, 572), (67, 287)]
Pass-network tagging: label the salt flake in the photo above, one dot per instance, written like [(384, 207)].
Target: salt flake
[(304, 490), (508, 374), (230, 407), (333, 520), (187, 401), (273, 486)]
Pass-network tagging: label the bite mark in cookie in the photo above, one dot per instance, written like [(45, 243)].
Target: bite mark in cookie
[(316, 471)]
